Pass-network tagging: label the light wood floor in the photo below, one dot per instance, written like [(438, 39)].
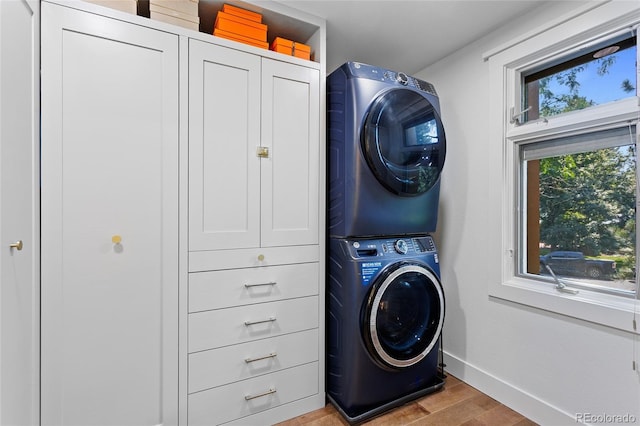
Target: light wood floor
[(456, 404)]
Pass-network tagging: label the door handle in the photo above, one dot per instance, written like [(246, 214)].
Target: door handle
[(16, 245), (262, 152)]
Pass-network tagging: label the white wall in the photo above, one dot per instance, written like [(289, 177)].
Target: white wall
[(546, 366)]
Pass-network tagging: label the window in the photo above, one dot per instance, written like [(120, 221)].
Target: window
[(578, 196), (597, 75), (567, 119)]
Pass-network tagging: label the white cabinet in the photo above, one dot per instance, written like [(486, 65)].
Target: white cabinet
[(254, 343), (19, 212), (255, 287), (179, 234), (109, 221), (290, 174), (253, 150)]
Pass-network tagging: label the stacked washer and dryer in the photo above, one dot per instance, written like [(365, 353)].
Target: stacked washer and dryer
[(386, 149)]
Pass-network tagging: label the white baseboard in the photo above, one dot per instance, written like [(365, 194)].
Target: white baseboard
[(518, 400)]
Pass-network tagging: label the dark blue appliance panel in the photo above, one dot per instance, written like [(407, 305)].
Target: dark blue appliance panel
[(386, 150), (395, 282)]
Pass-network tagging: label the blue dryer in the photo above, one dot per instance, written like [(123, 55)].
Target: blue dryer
[(386, 148), (384, 323)]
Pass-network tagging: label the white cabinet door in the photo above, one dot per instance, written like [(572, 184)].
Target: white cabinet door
[(239, 102), (290, 128), (19, 180), (224, 133), (109, 221)]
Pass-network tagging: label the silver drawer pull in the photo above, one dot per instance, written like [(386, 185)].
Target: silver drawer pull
[(269, 392), (260, 284), (271, 355), (248, 323)]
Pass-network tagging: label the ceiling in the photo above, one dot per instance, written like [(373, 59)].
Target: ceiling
[(406, 35)]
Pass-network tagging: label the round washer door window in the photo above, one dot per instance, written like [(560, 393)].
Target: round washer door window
[(404, 315), (403, 142)]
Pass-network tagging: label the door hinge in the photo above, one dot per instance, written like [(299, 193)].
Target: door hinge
[(635, 326)]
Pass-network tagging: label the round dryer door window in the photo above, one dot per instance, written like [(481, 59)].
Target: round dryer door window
[(403, 142), (404, 315)]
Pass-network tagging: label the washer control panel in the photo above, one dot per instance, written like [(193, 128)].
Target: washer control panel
[(393, 246)]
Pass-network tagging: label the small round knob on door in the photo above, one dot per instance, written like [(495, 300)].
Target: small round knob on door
[(17, 245), (260, 257)]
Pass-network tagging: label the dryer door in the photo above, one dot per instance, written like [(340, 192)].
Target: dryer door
[(403, 315), (403, 142)]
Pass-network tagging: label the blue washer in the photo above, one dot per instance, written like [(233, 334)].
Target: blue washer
[(384, 323)]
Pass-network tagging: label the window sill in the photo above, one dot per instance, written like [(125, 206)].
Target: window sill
[(606, 309)]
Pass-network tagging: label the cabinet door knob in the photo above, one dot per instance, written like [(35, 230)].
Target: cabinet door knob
[(17, 245), (263, 151)]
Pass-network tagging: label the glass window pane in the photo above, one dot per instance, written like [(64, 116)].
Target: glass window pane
[(581, 210), (594, 78)]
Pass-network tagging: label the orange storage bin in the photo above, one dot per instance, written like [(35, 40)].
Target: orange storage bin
[(237, 25), (301, 51), (282, 45), (243, 13), (237, 37), (291, 48)]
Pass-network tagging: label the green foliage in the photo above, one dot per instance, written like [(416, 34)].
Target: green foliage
[(552, 104), (587, 201), (627, 86)]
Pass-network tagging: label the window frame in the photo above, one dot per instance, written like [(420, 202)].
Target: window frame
[(507, 65)]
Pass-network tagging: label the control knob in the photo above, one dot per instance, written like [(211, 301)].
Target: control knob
[(401, 246), (402, 78)]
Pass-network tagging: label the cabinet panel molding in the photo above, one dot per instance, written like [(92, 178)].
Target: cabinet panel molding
[(109, 221), (224, 133), (290, 127)]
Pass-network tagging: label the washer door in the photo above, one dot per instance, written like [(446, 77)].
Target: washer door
[(403, 142), (403, 316)]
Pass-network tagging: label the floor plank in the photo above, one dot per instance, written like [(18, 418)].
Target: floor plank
[(457, 404)]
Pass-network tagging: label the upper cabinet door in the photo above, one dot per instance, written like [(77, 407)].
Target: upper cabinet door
[(224, 135), (109, 221), (290, 129)]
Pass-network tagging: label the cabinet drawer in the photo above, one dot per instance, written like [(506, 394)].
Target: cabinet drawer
[(230, 364), (222, 327), (240, 399), (221, 289)]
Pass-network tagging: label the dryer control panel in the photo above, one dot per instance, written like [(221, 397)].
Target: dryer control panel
[(361, 70)]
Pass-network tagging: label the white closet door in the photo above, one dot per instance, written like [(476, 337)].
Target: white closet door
[(224, 133), (109, 221), (290, 128), (19, 180)]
